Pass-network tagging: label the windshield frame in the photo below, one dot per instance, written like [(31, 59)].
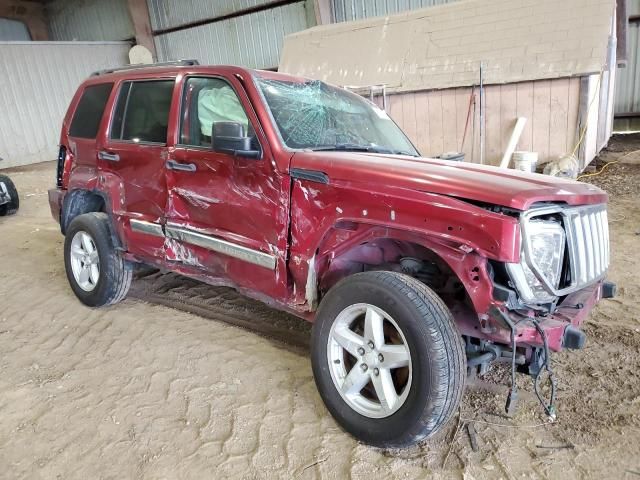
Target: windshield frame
[(256, 77)]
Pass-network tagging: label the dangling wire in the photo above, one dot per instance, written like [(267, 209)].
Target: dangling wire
[(550, 408)]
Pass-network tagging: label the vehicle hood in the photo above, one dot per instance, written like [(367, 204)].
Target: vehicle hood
[(483, 183)]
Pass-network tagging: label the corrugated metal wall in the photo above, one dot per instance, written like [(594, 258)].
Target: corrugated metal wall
[(171, 13), (253, 40), (347, 10), (13, 30), (89, 20), (38, 83), (628, 85)]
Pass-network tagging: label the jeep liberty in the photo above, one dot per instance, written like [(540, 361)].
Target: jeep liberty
[(415, 272)]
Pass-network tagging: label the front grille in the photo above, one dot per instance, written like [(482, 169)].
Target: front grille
[(587, 231)]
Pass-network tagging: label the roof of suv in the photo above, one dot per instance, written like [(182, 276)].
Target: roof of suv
[(160, 70)]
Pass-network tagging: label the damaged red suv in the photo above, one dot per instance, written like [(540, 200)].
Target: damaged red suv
[(415, 272)]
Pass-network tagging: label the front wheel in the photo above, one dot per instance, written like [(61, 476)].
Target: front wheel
[(387, 358)]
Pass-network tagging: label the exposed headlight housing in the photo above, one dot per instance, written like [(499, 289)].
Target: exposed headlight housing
[(542, 259)]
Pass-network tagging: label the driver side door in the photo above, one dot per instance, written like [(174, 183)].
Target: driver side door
[(226, 215)]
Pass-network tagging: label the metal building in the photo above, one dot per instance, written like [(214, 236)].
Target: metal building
[(243, 32), (627, 102)]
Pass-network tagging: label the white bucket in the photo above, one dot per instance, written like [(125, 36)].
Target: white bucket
[(525, 161)]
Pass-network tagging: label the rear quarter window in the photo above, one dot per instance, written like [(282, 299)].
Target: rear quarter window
[(86, 119)]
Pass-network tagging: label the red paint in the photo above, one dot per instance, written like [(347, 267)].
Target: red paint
[(375, 209)]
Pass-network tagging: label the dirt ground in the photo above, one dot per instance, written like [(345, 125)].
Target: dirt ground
[(182, 380)]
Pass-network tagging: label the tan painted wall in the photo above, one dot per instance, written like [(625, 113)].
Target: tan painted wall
[(442, 46), (435, 120)]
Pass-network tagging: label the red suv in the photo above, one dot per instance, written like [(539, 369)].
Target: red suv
[(416, 272)]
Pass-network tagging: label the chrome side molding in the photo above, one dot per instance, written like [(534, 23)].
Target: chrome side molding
[(221, 246), (146, 227)]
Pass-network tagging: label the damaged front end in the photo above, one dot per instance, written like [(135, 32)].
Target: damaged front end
[(541, 302)]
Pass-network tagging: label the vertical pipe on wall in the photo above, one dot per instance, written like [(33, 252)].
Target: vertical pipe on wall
[(482, 102)]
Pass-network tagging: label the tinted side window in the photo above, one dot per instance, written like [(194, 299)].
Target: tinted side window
[(86, 119), (205, 101), (142, 112)]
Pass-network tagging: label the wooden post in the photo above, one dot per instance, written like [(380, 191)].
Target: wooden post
[(139, 13), (28, 12), (622, 21), (323, 12)]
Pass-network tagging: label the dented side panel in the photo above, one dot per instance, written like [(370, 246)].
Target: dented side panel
[(329, 220), (229, 215)]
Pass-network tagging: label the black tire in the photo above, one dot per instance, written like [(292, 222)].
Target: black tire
[(436, 350), (14, 201), (115, 273)]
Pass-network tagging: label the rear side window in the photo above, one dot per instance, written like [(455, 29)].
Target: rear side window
[(142, 112), (86, 119)]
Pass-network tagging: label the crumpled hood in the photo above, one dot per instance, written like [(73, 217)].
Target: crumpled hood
[(494, 185)]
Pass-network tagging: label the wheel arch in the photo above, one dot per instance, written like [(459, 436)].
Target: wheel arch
[(80, 201), (381, 248)]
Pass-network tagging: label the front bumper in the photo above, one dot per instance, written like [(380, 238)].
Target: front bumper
[(564, 322), (567, 318)]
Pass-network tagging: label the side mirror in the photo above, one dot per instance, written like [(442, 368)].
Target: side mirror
[(230, 137)]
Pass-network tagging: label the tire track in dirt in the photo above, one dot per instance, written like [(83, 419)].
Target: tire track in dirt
[(223, 305)]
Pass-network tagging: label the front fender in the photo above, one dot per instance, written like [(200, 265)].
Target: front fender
[(329, 220)]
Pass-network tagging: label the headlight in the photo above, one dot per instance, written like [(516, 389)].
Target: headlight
[(541, 266)]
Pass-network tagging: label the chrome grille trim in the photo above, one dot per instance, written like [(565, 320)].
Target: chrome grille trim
[(587, 232)]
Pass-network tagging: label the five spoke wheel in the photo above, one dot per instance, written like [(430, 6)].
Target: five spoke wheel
[(85, 262), (370, 361)]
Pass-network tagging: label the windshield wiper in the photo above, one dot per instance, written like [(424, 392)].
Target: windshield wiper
[(354, 147), (348, 147)]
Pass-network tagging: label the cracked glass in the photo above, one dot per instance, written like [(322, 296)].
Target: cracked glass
[(317, 116)]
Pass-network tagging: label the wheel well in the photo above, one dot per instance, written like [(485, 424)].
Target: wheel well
[(78, 202), (399, 256)]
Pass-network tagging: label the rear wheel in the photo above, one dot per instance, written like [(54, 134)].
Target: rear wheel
[(7, 188), (387, 358), (96, 271)]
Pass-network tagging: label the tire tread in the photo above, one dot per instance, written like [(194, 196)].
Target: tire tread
[(116, 271), (438, 329)]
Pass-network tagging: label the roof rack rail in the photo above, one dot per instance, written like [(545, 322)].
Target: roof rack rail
[(145, 65)]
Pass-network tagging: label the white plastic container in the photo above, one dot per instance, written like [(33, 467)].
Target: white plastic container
[(525, 161)]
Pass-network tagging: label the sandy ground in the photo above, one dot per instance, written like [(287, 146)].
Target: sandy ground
[(183, 380)]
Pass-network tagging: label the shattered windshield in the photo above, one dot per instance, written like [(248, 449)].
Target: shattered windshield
[(314, 115)]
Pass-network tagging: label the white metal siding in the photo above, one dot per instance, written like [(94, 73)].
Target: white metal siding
[(174, 13), (252, 40), (38, 82), (347, 10), (13, 30), (89, 20)]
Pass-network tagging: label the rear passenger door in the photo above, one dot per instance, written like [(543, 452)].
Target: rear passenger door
[(133, 155)]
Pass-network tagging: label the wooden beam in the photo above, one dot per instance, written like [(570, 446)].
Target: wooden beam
[(324, 15), (621, 32), (28, 12), (139, 12)]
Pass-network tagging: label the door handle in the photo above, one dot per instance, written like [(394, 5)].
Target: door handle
[(111, 157), (183, 167)]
